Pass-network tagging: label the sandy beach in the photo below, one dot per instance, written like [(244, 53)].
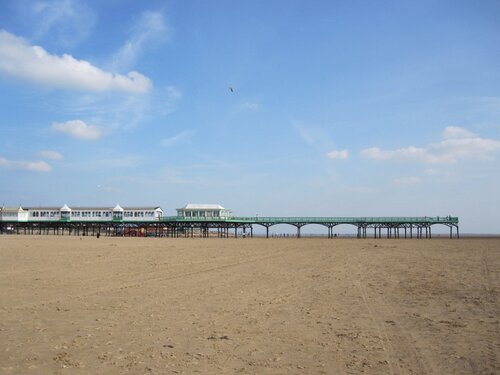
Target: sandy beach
[(71, 305)]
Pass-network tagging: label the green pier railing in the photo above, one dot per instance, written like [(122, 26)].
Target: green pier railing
[(316, 220)]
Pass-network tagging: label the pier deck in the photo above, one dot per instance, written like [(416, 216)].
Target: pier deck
[(176, 226)]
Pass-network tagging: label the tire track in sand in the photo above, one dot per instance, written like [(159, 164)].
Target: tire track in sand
[(382, 333), (492, 348), (141, 281), (391, 330), (399, 333)]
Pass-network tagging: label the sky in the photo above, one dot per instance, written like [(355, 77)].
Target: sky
[(270, 108)]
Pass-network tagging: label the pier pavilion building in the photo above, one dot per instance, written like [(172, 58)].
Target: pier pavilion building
[(18, 214), (80, 214), (193, 210)]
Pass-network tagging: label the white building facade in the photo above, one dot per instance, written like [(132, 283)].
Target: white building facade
[(81, 214), (18, 214), (197, 211)]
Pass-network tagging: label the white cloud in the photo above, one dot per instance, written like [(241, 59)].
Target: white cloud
[(454, 132), (66, 21), (78, 129), (466, 148), (338, 154), (33, 63), (457, 144), (409, 153), (150, 29), (52, 155), (35, 166), (167, 142)]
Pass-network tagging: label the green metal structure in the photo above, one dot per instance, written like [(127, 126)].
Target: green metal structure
[(317, 220), (421, 226), (179, 226)]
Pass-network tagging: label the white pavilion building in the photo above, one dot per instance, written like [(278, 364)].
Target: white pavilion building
[(193, 210)]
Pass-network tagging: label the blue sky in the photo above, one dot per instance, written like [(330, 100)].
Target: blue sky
[(338, 108)]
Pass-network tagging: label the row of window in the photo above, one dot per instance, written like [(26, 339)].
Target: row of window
[(201, 213), (91, 213), (45, 213), (138, 213)]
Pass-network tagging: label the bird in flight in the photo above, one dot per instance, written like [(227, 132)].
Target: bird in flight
[(230, 88)]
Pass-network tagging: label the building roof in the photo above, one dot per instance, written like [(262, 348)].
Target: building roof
[(91, 208), (71, 208), (42, 208), (88, 208), (143, 208), (197, 206), (12, 209)]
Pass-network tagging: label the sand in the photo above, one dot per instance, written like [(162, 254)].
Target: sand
[(249, 306)]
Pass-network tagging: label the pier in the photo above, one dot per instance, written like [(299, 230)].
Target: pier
[(175, 226)]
